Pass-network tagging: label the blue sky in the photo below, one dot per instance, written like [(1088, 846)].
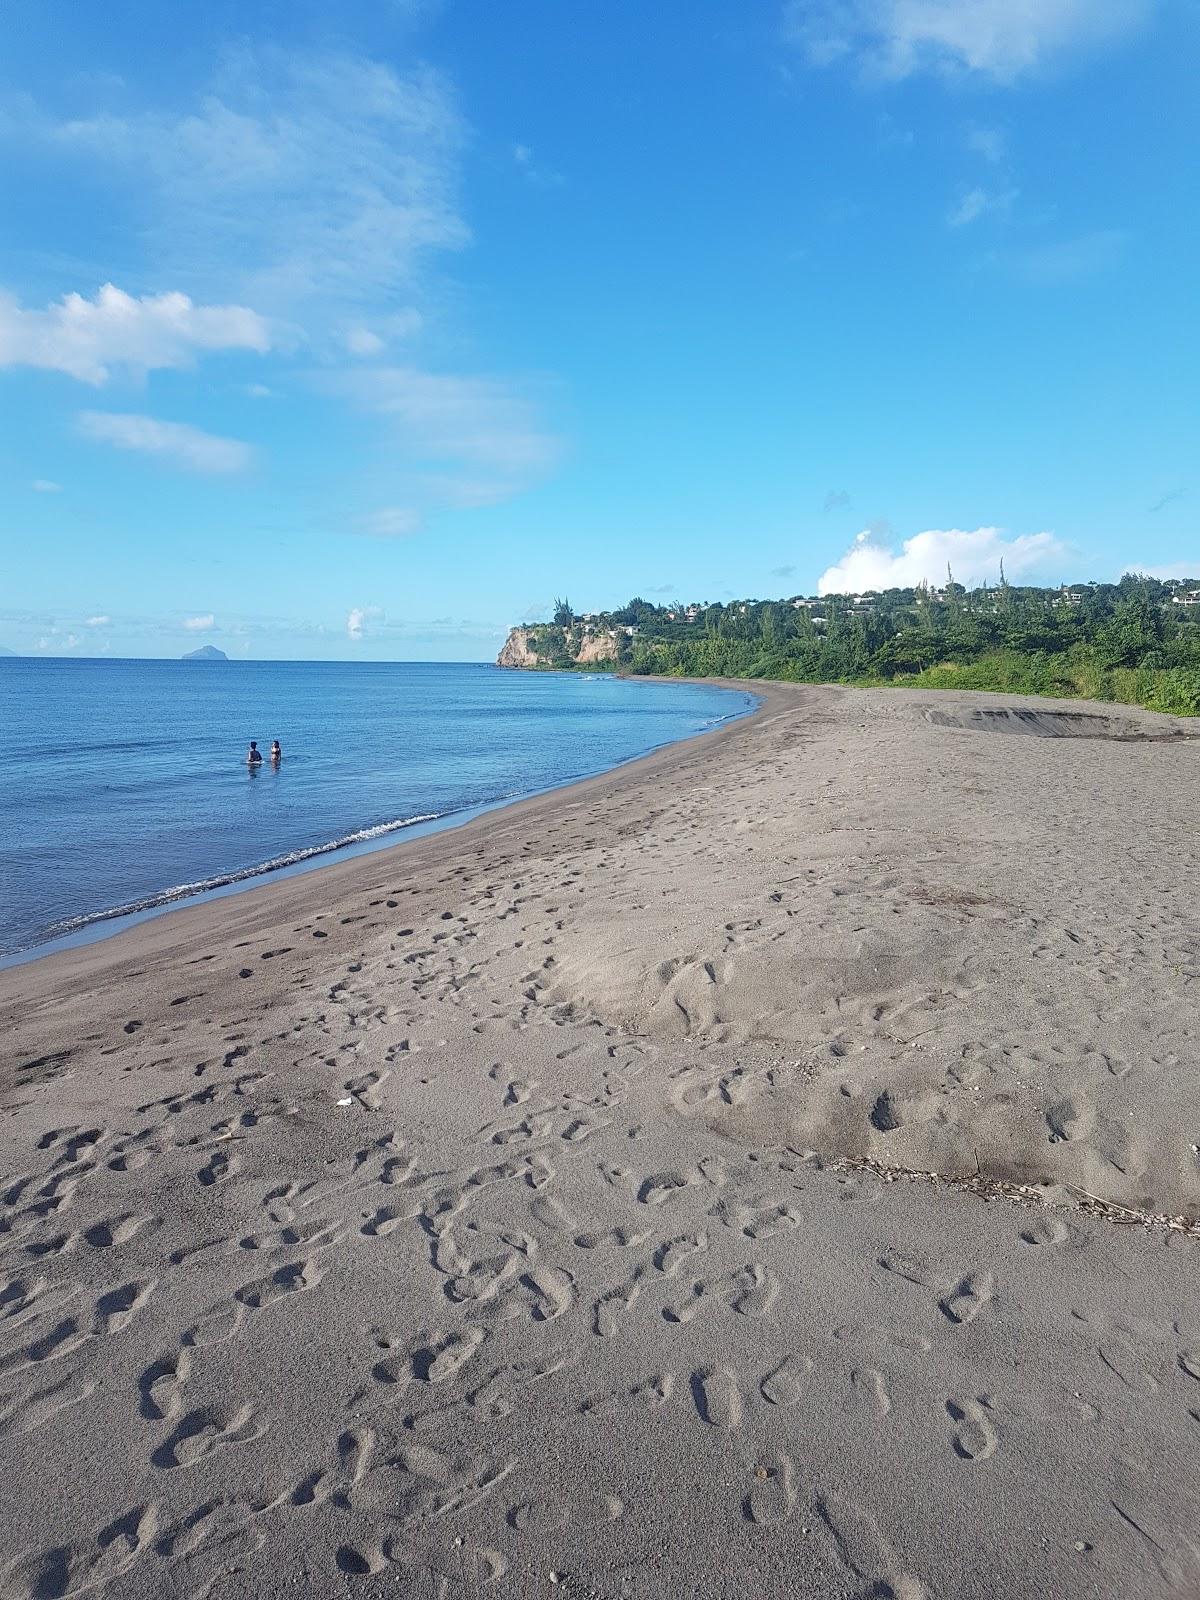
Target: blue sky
[(364, 331)]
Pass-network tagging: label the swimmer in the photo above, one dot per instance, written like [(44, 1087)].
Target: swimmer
[(254, 754), (276, 752)]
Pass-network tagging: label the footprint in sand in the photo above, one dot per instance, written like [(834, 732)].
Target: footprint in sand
[(870, 1386), (116, 1230), (788, 1381), (217, 1324), (772, 1493), (435, 1360), (670, 1256), (293, 1278), (388, 1218), (551, 1292), (89, 1566), (612, 1307), (968, 1298), (717, 1398), (366, 1088), (161, 1386), (687, 1308), (901, 1266), (612, 1238), (208, 1429), (1046, 1230), (25, 1413), (755, 1290), (974, 1438), (660, 1186), (756, 1221), (651, 1392)]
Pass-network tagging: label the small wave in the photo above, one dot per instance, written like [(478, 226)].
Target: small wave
[(184, 891)]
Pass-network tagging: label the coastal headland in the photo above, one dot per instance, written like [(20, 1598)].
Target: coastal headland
[(767, 1169)]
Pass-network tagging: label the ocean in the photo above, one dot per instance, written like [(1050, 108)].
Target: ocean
[(124, 786)]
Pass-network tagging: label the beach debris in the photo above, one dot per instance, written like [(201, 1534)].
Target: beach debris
[(1024, 1193), (348, 1101)]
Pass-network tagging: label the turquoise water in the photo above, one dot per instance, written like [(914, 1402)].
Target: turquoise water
[(124, 786)]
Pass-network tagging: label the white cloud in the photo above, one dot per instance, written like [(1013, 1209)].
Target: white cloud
[(974, 556), (999, 38), (391, 522), (259, 391), (204, 624), (445, 491), (176, 441), (1067, 260), (1174, 569), (977, 202), (989, 143), (45, 486), (98, 622), (447, 417), (357, 619), (542, 177), (87, 338), (363, 342), (312, 179)]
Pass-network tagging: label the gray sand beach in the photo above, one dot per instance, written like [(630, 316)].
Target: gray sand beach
[(545, 1207)]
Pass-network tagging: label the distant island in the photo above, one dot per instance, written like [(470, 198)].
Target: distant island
[(1137, 641), (206, 652)]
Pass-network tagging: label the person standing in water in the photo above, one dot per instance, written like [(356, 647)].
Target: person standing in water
[(254, 754), (276, 753)]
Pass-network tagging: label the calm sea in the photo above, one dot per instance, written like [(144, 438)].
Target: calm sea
[(124, 788)]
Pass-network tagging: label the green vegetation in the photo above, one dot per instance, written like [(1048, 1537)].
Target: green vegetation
[(1136, 642)]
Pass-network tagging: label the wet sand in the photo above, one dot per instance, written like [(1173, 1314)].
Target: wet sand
[(492, 1210)]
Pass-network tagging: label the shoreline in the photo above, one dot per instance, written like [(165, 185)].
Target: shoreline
[(100, 926), (767, 693)]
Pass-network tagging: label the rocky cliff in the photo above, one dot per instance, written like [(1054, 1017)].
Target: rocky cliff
[(519, 650), (597, 647)]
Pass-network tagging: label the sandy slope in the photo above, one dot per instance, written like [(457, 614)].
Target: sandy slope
[(567, 1283)]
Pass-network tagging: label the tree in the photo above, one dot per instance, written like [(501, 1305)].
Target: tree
[(563, 614)]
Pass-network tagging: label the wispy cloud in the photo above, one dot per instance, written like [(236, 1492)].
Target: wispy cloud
[(977, 202), (87, 338), (391, 522), (202, 624), (535, 172), (990, 143), (1000, 39), (444, 416), (1067, 260), (1174, 569), (975, 556), (835, 500), (98, 622), (178, 442), (313, 180), (464, 441), (45, 486)]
